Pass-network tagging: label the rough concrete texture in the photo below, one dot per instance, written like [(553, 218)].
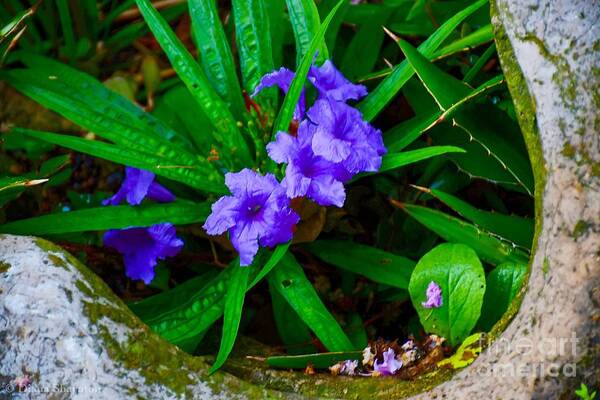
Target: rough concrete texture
[(61, 326)]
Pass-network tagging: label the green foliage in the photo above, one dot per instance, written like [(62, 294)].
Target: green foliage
[(584, 393), (490, 248), (377, 265), (291, 283), (503, 284), (458, 271), (321, 360)]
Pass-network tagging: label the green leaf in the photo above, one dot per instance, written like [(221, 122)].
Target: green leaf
[(253, 38), (376, 264), (444, 88), (11, 187), (101, 110), (447, 90), (473, 39), (227, 133), (234, 303), (292, 330), (480, 63), (397, 160), (190, 176), (13, 31), (490, 248), (289, 280), (516, 229), (172, 298), (362, 52), (215, 54), (198, 312), (179, 212), (320, 360), (391, 85), (66, 24), (276, 256), (503, 284), (460, 275), (293, 95), (304, 16)]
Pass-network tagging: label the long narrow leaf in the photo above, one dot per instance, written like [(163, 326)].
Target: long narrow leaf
[(188, 175), (254, 40), (397, 160), (227, 133), (391, 85), (305, 20), (234, 303), (488, 247), (289, 280), (376, 264), (510, 227), (215, 54), (179, 212)]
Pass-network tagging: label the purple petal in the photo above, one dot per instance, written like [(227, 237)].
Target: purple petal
[(434, 296), (143, 247), (282, 78), (326, 191), (246, 182), (390, 364), (245, 240), (159, 193), (332, 84), (283, 149), (331, 148), (134, 188), (222, 217), (296, 184)]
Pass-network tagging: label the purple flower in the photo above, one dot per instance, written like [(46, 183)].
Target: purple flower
[(143, 247), (332, 84), (390, 364), (342, 136), (139, 184), (348, 367), (282, 78), (434, 296), (306, 173), (258, 212)]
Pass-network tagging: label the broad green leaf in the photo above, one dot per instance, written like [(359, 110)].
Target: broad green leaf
[(447, 90), (376, 264), (190, 176), (276, 256), (226, 131), (292, 330), (474, 39), (503, 284), (234, 303), (275, 11), (397, 160), (289, 280), (391, 85), (456, 269), (516, 229), (253, 38), (320, 360), (293, 95), (406, 132), (215, 54), (66, 24), (490, 248), (179, 212), (304, 16)]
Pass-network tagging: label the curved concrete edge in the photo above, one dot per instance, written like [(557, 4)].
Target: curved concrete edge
[(553, 342), (64, 330)]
